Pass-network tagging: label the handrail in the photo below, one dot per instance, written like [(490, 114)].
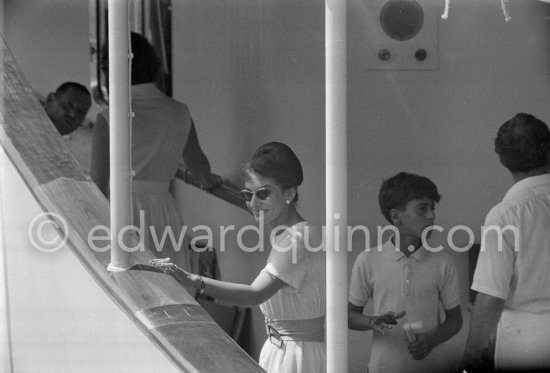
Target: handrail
[(222, 190)]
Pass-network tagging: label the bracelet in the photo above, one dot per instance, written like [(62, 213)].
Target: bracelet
[(203, 286), (372, 321)]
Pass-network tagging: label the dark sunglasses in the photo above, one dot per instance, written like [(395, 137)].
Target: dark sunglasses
[(262, 193)]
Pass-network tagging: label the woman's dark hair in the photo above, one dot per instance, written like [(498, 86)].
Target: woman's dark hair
[(145, 61), (522, 143), (402, 188), (277, 161)]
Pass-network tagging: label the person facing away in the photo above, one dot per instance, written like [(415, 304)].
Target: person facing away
[(290, 289), (67, 106), (162, 134), (511, 316), (401, 275)]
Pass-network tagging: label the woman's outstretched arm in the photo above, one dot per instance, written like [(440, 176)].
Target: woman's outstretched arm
[(261, 289)]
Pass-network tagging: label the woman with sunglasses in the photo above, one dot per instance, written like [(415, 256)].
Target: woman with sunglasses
[(290, 289)]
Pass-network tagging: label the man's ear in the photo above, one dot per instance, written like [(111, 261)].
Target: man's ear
[(395, 216)]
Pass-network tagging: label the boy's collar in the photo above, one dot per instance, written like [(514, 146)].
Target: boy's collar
[(397, 255)]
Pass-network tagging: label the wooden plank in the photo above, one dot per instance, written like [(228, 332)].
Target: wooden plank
[(204, 347), (158, 305)]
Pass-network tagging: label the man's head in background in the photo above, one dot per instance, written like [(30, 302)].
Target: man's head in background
[(67, 106), (523, 144)]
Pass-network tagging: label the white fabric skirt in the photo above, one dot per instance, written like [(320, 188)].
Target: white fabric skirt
[(160, 223), (294, 357)]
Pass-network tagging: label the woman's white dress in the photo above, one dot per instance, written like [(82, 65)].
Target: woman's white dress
[(297, 259)]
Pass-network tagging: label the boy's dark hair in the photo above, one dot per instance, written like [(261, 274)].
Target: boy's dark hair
[(522, 143), (402, 188)]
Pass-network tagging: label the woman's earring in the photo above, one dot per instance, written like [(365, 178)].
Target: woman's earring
[(288, 202)]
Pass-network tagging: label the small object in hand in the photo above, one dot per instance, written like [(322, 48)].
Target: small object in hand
[(411, 327)]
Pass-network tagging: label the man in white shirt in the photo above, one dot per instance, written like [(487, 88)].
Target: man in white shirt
[(512, 277)]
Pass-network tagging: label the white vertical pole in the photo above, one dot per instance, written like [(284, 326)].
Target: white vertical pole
[(336, 185), (119, 130)]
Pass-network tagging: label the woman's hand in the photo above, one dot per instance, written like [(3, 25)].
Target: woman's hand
[(170, 268)]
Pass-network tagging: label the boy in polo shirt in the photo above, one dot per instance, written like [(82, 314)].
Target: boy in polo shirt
[(401, 275)]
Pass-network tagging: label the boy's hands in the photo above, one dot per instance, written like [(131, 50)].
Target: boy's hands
[(420, 347), (420, 344), (386, 321)]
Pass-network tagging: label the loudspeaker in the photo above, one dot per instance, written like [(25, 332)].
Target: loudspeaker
[(402, 34)]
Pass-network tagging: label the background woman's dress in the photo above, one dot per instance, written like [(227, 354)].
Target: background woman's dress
[(160, 129)]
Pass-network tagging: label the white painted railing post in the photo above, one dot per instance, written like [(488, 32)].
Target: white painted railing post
[(336, 185), (119, 132)]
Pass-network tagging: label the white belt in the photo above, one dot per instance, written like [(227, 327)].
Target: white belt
[(305, 330)]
